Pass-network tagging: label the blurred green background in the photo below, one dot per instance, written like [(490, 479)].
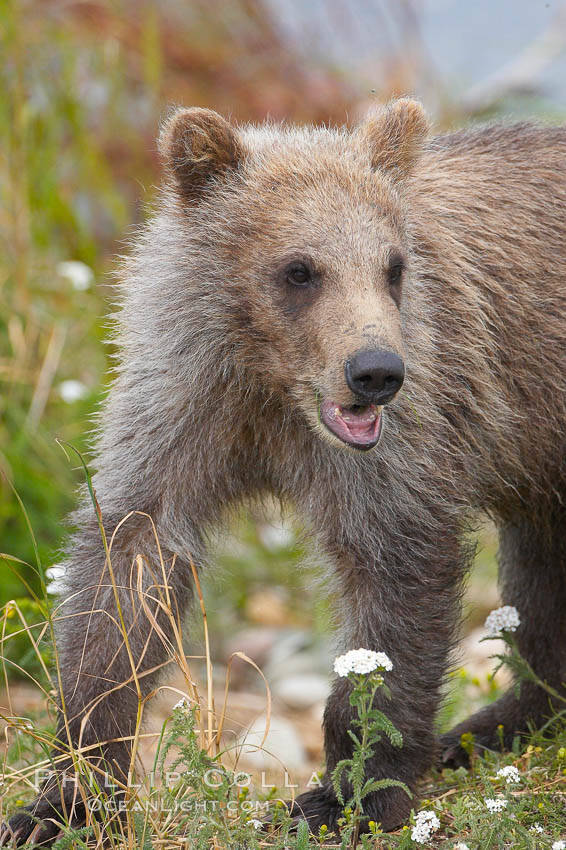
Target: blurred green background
[(83, 88)]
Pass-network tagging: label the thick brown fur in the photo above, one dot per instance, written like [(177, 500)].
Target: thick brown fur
[(222, 367)]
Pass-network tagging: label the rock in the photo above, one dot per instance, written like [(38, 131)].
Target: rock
[(302, 691), (296, 653), (256, 643), (282, 749)]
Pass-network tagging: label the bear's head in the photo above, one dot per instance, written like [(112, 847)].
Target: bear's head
[(302, 243)]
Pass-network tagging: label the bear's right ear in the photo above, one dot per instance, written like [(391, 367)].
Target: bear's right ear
[(197, 144)]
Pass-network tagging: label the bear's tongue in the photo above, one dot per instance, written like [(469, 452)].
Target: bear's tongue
[(359, 427)]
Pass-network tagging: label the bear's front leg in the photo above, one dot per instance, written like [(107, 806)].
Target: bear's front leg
[(403, 602), (104, 679)]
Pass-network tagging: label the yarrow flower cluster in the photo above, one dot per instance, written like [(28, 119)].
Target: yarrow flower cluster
[(495, 804), (559, 845), (182, 705), (510, 774), (505, 619), (361, 661), (426, 822), (79, 275)]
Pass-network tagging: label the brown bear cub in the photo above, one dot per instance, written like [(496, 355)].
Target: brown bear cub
[(371, 326)]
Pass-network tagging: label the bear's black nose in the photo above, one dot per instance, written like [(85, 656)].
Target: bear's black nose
[(375, 376)]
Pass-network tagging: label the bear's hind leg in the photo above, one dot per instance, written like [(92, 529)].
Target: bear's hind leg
[(532, 563)]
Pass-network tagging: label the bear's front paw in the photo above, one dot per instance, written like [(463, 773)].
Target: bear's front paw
[(491, 730), (497, 725), (39, 828), (318, 807), (41, 823), (390, 808)]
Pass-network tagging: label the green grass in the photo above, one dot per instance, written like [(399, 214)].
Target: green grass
[(194, 799)]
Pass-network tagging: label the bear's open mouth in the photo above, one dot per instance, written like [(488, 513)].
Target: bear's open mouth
[(358, 426)]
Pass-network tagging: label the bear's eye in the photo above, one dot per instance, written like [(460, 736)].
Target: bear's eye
[(298, 274), (395, 273)]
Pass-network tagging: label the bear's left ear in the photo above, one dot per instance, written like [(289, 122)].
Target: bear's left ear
[(395, 136), (197, 144)]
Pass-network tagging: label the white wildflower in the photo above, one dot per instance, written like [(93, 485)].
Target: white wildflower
[(559, 845), (536, 827), (55, 575), (505, 619), (257, 824), (276, 535), (182, 705), (461, 846), (510, 774), (71, 391), (79, 275), (495, 804), (361, 661), (426, 822)]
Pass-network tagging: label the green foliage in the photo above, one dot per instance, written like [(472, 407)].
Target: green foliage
[(523, 672), (350, 773), (195, 800), (303, 837), (18, 654), (49, 332), (74, 838)]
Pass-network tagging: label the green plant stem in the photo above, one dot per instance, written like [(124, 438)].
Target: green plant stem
[(363, 717)]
